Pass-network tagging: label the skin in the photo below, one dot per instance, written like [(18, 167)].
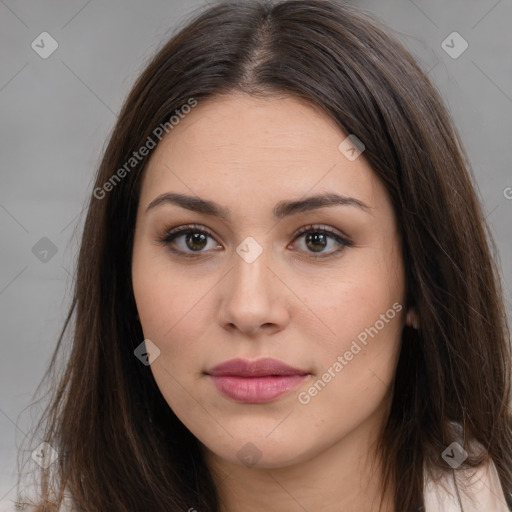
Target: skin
[(248, 154)]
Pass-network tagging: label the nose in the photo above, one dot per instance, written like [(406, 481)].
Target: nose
[(253, 298)]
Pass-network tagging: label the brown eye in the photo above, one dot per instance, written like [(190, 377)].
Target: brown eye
[(187, 240), (196, 241), (318, 239)]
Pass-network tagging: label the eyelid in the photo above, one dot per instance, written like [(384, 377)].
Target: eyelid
[(186, 227), (322, 228)]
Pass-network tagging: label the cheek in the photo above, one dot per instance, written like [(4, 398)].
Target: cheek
[(351, 305), (356, 371), (365, 343), (169, 312), (157, 291), (171, 309), (364, 313)]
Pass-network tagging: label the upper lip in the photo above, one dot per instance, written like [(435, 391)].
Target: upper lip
[(258, 368)]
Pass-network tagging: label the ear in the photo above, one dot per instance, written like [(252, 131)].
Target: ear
[(411, 319)]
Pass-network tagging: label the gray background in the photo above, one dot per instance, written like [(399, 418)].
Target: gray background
[(57, 113)]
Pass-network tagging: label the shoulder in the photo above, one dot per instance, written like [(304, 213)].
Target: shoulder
[(472, 490), (26, 507), (29, 503)]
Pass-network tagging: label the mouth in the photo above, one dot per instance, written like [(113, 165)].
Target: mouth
[(257, 381)]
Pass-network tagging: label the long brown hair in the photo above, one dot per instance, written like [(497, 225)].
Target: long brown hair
[(120, 446)]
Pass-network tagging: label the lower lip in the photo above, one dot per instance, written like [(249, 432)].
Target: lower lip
[(256, 389)]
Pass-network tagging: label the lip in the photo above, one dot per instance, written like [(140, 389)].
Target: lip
[(257, 381), (264, 367)]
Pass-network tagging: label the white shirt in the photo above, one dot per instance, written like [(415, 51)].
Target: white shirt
[(479, 490)]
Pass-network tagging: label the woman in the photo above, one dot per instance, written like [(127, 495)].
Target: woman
[(285, 297)]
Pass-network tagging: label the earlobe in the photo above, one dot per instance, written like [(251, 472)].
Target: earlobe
[(411, 318)]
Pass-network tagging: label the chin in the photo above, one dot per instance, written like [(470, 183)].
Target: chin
[(259, 452)]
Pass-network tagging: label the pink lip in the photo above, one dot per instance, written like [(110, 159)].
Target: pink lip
[(255, 381)]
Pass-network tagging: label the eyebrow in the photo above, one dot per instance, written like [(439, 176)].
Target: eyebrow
[(281, 209)]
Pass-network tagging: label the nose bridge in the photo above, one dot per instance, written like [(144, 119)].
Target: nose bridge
[(250, 273), (250, 299)]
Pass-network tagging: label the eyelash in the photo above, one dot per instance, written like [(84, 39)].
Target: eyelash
[(171, 234)]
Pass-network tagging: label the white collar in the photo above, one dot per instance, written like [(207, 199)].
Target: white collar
[(477, 490)]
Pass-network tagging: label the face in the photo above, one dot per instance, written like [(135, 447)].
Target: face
[(262, 271)]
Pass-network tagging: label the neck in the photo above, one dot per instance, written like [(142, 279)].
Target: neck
[(345, 476)]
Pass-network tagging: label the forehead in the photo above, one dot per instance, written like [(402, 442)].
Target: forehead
[(242, 146)]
